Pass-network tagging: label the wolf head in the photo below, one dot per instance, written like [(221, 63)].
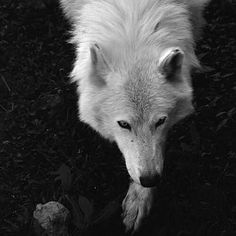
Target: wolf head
[(133, 69), (136, 107)]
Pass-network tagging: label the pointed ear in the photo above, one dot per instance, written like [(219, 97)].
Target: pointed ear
[(170, 63), (99, 66)]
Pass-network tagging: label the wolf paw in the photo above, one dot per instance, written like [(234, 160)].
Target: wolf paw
[(136, 206)]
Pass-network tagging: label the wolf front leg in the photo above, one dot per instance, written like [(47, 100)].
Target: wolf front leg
[(137, 206)]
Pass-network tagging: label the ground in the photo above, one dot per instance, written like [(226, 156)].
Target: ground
[(47, 154)]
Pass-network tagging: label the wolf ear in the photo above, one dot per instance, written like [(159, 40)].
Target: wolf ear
[(170, 63), (99, 66)]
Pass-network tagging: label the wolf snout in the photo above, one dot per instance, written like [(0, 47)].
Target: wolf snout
[(148, 180)]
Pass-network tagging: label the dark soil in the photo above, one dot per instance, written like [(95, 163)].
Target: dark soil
[(47, 154)]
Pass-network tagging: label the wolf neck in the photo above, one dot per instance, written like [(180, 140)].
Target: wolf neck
[(128, 29)]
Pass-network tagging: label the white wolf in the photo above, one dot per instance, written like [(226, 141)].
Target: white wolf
[(134, 59)]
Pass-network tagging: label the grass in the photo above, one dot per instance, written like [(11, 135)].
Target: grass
[(47, 154)]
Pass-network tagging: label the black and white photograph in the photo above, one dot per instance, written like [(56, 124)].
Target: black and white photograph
[(117, 117)]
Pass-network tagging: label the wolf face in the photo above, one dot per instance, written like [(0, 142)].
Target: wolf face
[(133, 65), (135, 107)]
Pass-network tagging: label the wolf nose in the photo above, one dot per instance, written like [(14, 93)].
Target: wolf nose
[(150, 181)]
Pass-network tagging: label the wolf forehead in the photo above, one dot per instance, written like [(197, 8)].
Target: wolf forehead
[(147, 90), (142, 92)]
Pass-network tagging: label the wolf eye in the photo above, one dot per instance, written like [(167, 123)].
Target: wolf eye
[(161, 121), (123, 124)]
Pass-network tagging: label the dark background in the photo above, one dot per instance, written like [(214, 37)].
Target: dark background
[(47, 154)]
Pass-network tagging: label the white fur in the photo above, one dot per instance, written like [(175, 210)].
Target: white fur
[(124, 29), (126, 69)]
